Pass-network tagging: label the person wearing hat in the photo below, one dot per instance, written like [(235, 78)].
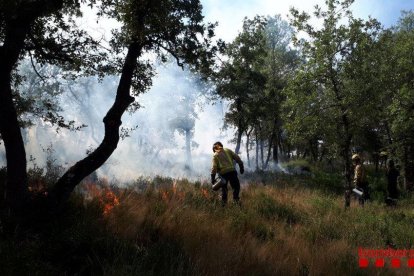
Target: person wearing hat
[(360, 179), (223, 165)]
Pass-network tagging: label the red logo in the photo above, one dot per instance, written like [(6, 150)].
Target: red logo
[(410, 263), (395, 263), (379, 263), (363, 263), (387, 257)]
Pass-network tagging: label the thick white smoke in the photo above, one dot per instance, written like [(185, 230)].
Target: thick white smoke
[(156, 147)]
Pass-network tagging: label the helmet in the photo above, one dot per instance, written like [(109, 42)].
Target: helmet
[(356, 157)]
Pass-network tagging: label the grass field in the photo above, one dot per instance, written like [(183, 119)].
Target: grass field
[(292, 225)]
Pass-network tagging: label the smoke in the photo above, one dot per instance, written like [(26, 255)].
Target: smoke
[(175, 104)]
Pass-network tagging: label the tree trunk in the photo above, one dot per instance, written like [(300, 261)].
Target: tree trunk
[(112, 121), (257, 153), (261, 145), (238, 142), (262, 152), (188, 161), (270, 146), (388, 131), (348, 175), (345, 138), (409, 168), (275, 153), (323, 153), (313, 147), (276, 145), (247, 147), (271, 141), (269, 151), (346, 156), (16, 27), (240, 126), (16, 191)]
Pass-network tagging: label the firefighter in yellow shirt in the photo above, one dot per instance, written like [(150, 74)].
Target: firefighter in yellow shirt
[(223, 165), (360, 178)]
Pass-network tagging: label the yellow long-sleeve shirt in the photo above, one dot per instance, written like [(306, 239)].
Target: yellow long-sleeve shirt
[(223, 161), (360, 175)]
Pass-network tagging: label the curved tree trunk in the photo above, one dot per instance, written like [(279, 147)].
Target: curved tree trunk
[(112, 121), (240, 128), (238, 142)]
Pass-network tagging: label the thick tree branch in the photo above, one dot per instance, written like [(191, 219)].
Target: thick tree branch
[(65, 185)]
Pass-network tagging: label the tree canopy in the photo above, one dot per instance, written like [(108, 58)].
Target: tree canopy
[(47, 32)]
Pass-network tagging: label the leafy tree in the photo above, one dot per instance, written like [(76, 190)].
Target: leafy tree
[(185, 115), (36, 28), (397, 86), (280, 65), (163, 27), (332, 94), (240, 78), (259, 64)]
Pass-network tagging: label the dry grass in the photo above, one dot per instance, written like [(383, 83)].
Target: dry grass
[(173, 227), (276, 231)]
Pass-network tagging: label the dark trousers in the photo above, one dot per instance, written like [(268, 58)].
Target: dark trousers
[(392, 190), (235, 185), (365, 188)]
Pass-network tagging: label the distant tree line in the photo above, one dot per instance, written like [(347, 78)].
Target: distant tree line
[(324, 92)]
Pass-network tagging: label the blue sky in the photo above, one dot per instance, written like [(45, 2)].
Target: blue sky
[(230, 13)]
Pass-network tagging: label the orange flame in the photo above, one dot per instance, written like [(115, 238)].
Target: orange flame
[(178, 195), (205, 193), (108, 200), (164, 195)]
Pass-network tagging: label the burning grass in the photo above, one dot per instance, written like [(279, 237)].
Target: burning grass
[(178, 228)]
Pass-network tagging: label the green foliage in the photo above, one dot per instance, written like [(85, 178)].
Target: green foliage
[(42, 178), (398, 92), (240, 79), (334, 91), (165, 28), (37, 93), (259, 63)]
